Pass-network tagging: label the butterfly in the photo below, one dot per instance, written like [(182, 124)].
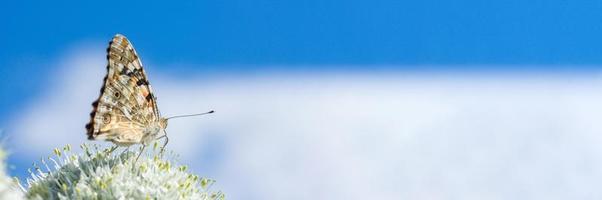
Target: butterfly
[(126, 111)]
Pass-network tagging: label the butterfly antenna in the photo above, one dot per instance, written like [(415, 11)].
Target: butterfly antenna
[(178, 116)]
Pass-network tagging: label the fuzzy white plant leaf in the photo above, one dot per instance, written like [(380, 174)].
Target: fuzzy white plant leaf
[(99, 174), (9, 189)]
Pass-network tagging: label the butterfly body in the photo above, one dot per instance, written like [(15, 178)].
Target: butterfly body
[(126, 136), (126, 111)]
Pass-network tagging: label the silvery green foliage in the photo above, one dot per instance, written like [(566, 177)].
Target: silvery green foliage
[(100, 174), (8, 187)]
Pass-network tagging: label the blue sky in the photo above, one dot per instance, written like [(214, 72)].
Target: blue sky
[(317, 32), (303, 35), (342, 49)]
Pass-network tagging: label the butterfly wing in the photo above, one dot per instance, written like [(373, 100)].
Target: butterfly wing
[(126, 105)]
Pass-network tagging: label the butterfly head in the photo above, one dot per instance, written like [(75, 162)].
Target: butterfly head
[(163, 123)]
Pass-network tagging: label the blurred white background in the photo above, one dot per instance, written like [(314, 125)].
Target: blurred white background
[(353, 134)]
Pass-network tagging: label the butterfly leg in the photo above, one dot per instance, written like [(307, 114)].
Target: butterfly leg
[(112, 149), (141, 151), (164, 144), (125, 150)]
